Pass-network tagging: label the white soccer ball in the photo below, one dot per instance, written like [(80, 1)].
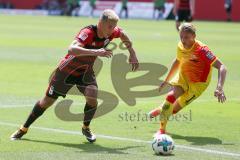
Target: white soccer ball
[(163, 144)]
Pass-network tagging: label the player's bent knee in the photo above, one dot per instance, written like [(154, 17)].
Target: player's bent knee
[(46, 102), (177, 91), (170, 97), (91, 91)]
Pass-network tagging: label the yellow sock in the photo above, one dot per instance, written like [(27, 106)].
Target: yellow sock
[(166, 112)]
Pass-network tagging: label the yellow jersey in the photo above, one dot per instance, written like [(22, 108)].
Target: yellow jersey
[(196, 62)]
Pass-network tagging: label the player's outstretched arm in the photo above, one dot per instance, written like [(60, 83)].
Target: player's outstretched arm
[(222, 71), (173, 70), (77, 49), (132, 57)]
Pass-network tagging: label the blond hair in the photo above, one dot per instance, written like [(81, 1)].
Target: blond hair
[(187, 27), (109, 15)]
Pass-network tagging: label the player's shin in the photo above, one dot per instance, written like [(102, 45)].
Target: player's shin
[(36, 112), (89, 112)]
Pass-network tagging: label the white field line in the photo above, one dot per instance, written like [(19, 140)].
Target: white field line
[(184, 147), (120, 102)]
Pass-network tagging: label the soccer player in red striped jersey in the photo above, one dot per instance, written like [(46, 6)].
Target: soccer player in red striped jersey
[(184, 11), (76, 68)]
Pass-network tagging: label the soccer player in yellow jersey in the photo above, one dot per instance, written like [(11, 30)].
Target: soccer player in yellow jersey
[(192, 70)]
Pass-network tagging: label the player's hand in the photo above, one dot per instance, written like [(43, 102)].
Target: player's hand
[(162, 85), (220, 95), (104, 53), (134, 61)]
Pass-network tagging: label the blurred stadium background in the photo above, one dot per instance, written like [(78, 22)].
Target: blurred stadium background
[(204, 9)]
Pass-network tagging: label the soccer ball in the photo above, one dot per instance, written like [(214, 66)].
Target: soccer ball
[(163, 144)]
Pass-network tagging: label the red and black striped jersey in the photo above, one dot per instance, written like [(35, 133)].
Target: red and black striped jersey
[(90, 40)]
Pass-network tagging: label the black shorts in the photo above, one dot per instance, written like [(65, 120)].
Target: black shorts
[(61, 82), (183, 15)]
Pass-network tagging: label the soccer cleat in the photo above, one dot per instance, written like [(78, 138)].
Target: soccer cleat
[(159, 132), (17, 135), (89, 135), (154, 113)]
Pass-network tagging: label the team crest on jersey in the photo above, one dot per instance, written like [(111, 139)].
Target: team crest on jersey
[(210, 55), (106, 42), (83, 36)]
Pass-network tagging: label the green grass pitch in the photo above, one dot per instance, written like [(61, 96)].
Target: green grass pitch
[(30, 48)]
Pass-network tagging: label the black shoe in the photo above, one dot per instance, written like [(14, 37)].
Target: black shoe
[(89, 135), (18, 134)]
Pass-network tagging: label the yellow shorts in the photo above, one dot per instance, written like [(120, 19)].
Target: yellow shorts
[(191, 90)]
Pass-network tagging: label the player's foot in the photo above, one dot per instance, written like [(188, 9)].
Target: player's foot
[(154, 113), (17, 135), (159, 132), (89, 135)]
